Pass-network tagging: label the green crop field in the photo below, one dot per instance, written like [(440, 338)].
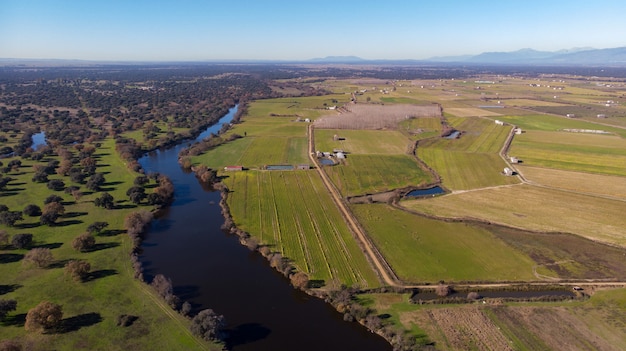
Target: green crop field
[(368, 174), (420, 128), (535, 208), (293, 213), (425, 250), (462, 170), (360, 142), (90, 308), (554, 123), (594, 153)]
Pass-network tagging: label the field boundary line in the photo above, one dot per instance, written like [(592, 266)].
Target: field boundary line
[(375, 257)]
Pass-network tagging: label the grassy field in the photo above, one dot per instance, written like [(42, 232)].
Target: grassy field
[(535, 208), (424, 250), (368, 174), (604, 185), (550, 123), (603, 154), (361, 142), (470, 161), (293, 213), (90, 308)]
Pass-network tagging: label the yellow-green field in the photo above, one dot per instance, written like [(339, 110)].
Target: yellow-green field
[(589, 183), (360, 142), (603, 154), (535, 208)]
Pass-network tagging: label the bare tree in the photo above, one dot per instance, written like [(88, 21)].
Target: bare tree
[(300, 280), (43, 317), (40, 257), (84, 242), (78, 269)]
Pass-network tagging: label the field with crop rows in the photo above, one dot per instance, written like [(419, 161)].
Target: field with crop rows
[(593, 153), (425, 250), (368, 174), (535, 208), (293, 213)]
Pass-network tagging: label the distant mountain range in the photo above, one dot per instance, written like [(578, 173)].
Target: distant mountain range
[(576, 56), (613, 57)]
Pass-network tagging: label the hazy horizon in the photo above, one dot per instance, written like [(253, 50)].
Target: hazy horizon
[(194, 30)]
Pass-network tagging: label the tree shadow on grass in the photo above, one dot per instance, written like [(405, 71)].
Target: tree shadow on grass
[(10, 257), (28, 225), (103, 273), (50, 246), (7, 193), (103, 246), (17, 320), (74, 214), (5, 289), (112, 232), (126, 206), (58, 264), (246, 333), (316, 283), (82, 320), (68, 222)]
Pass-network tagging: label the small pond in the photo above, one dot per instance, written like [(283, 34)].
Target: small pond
[(39, 140), (425, 192), (326, 161), (454, 135)]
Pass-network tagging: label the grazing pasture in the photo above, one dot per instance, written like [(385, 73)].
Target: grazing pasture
[(90, 308), (368, 174), (603, 154), (589, 183), (427, 250), (292, 213), (361, 142), (535, 208)]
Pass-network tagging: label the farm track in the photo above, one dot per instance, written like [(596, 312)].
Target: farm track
[(382, 267)]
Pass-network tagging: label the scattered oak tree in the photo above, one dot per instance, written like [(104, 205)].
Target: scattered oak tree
[(43, 317), (39, 256), (22, 241), (7, 306), (97, 227), (32, 210), (77, 269), (105, 200), (84, 242)]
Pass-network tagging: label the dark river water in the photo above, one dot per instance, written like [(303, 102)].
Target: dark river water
[(210, 269)]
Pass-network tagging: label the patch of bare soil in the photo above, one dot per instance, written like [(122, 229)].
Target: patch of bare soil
[(463, 328), (553, 328), (586, 259), (370, 116)]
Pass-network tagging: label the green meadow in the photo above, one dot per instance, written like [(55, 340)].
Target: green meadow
[(90, 308), (426, 250)]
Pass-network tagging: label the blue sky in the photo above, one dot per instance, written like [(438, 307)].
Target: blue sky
[(190, 30)]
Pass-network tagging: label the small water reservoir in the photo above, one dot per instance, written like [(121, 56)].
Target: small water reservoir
[(453, 135), (425, 192), (326, 161)]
